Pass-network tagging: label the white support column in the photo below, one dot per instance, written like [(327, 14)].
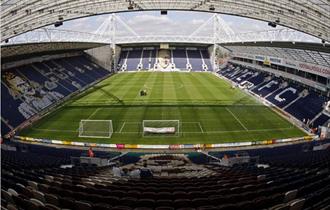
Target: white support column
[(215, 40), (113, 42)]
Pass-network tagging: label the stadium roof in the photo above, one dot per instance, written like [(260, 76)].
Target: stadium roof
[(23, 51), (309, 16), (305, 52)]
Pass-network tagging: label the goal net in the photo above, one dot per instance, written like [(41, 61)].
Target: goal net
[(155, 128), (95, 128)]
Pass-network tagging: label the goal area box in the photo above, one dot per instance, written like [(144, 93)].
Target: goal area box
[(95, 128), (161, 128)]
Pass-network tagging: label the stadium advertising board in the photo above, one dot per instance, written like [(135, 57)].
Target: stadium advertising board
[(78, 144), (307, 67), (142, 146), (233, 144), (163, 146), (188, 146)]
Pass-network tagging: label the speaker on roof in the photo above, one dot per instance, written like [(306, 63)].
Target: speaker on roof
[(272, 24), (130, 7), (58, 23)]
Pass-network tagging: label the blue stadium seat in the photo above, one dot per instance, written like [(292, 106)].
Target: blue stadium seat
[(31, 88), (307, 107), (180, 59), (133, 60), (195, 60)]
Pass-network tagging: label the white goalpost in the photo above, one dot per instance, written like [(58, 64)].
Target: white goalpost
[(95, 128), (161, 128)]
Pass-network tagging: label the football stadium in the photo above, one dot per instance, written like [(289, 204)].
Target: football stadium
[(165, 105)]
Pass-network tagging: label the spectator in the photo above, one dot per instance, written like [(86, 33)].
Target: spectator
[(135, 173), (124, 172), (116, 171), (90, 152), (145, 172), (225, 157)]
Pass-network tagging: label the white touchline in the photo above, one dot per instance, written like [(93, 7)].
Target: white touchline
[(237, 119)]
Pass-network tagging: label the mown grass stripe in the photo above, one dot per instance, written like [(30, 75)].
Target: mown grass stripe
[(188, 97)]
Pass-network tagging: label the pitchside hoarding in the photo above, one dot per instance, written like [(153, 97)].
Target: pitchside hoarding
[(303, 66)]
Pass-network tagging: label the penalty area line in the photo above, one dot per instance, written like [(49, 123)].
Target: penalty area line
[(122, 127), (237, 119), (200, 126), (94, 113)]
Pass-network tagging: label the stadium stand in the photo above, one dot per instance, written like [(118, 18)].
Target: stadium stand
[(183, 59), (306, 106), (321, 119), (245, 137), (207, 60), (195, 60), (284, 96), (180, 59), (146, 59), (153, 58), (133, 60), (122, 61), (32, 88), (267, 88), (286, 177)]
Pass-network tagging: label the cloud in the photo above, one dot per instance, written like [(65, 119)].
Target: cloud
[(146, 24), (175, 23)]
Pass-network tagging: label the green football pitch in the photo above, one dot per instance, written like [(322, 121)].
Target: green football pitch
[(209, 110)]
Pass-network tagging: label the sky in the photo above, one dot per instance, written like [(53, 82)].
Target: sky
[(175, 23)]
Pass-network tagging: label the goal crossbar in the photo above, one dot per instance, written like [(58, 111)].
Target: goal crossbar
[(95, 128)]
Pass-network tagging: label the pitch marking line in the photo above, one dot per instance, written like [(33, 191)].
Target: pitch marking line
[(210, 132), (124, 124), (94, 113), (122, 127), (198, 123), (200, 126), (133, 122), (237, 119), (54, 130)]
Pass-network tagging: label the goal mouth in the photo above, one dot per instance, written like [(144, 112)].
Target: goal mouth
[(161, 128), (95, 129)]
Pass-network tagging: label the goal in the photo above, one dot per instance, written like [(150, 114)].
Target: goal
[(161, 128), (95, 128)]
